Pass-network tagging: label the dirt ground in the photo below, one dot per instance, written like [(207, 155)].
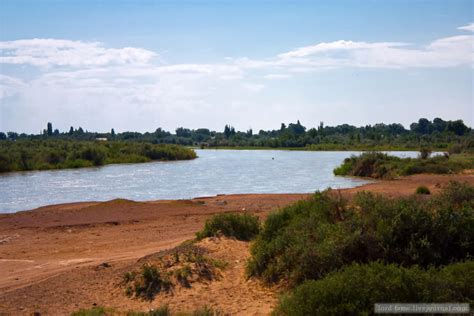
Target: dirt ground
[(50, 258)]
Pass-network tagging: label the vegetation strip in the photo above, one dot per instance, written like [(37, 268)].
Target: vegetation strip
[(437, 134), (22, 155), (383, 166)]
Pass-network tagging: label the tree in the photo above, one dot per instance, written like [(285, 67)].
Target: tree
[(49, 130), (423, 126), (439, 125), (12, 135), (160, 133), (71, 131), (297, 128), (321, 128), (203, 131), (457, 127), (183, 132), (396, 129), (112, 132), (3, 136), (227, 131), (56, 132), (312, 132)]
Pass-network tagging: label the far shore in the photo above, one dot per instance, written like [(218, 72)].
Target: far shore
[(51, 257), (329, 149)]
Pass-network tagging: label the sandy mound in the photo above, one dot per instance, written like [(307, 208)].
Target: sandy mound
[(217, 280)]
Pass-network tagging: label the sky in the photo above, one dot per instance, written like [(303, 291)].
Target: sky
[(140, 65)]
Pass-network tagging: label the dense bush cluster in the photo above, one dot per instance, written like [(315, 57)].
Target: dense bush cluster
[(356, 288), (383, 166), (239, 226), (315, 238), (23, 155)]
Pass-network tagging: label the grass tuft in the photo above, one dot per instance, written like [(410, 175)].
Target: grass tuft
[(422, 189), (239, 226)]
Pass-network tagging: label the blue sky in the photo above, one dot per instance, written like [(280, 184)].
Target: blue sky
[(138, 65)]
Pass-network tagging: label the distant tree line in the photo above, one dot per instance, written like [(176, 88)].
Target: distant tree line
[(423, 133)]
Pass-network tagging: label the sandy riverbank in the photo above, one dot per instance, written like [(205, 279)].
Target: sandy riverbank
[(49, 257)]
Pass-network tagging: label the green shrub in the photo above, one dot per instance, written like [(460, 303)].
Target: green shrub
[(382, 166), (302, 241), (312, 238), (149, 282), (160, 311), (423, 189), (355, 289), (457, 194), (95, 311), (206, 311), (425, 153), (370, 164), (94, 154), (240, 226)]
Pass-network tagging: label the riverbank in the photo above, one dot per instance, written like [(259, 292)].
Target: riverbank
[(50, 154), (321, 147), (52, 258)]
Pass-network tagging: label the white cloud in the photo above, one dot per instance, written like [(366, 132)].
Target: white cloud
[(444, 52), (469, 27), (337, 46), (55, 52), (77, 79), (253, 87), (276, 76), (10, 86)]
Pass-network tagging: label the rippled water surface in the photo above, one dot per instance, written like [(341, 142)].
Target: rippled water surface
[(214, 172)]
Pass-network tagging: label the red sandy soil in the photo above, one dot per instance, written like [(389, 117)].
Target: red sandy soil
[(50, 257)]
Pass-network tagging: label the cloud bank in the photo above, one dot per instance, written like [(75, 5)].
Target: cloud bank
[(55, 52), (131, 85)]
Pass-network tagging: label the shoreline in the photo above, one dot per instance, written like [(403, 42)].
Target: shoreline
[(63, 246), (394, 149), (364, 149)]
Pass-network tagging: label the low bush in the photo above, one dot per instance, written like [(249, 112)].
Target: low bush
[(167, 270), (94, 311), (355, 289), (205, 311), (423, 189), (239, 226), (382, 166), (148, 283), (370, 164), (311, 238), (424, 153), (162, 310)]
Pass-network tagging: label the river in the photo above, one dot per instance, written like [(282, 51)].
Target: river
[(214, 172)]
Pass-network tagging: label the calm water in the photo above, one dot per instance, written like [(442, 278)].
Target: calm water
[(214, 172)]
